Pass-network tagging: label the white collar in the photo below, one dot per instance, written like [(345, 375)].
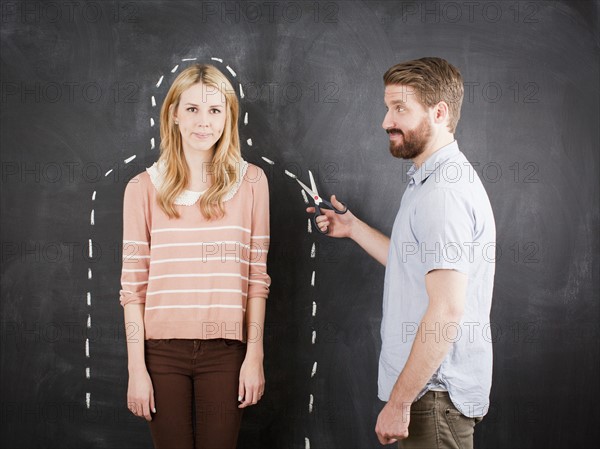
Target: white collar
[(189, 197)]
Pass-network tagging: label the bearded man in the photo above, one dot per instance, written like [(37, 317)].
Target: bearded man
[(435, 367)]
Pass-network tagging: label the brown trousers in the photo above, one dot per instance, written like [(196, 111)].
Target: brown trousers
[(195, 391), (435, 423)]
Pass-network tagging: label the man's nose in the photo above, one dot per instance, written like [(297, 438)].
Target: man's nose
[(387, 121)]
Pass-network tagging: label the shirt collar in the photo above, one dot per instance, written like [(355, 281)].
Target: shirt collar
[(432, 163), (190, 197)]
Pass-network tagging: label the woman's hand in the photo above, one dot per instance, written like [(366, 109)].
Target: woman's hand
[(340, 225), (252, 381), (140, 394)]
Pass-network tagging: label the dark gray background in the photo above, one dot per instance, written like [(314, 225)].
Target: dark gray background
[(76, 84)]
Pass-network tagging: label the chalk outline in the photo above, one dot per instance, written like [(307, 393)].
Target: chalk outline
[(152, 147)]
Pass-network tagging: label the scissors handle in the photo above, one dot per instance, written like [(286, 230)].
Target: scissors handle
[(326, 205)]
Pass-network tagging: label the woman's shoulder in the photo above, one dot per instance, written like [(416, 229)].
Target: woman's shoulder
[(142, 178), (253, 174), (140, 183)]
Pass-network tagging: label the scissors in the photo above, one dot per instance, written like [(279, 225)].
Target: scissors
[(319, 202)]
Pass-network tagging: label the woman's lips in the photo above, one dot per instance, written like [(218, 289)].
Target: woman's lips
[(201, 135)]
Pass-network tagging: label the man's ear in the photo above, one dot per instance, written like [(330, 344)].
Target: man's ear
[(440, 112)]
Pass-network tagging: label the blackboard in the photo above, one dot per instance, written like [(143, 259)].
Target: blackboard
[(76, 92)]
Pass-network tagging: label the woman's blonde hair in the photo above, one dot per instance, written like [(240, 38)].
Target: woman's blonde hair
[(225, 165)]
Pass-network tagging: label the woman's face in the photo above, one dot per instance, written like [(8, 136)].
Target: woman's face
[(201, 116)]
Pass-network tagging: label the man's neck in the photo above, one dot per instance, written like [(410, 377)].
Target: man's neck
[(432, 147)]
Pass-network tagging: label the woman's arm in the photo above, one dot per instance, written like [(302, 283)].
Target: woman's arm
[(134, 282), (140, 394), (252, 377)]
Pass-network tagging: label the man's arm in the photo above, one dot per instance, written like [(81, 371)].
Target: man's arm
[(347, 225), (446, 290)]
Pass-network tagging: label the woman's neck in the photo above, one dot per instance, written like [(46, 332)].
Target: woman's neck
[(199, 165)]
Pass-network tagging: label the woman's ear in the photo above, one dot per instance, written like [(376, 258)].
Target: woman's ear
[(173, 113)]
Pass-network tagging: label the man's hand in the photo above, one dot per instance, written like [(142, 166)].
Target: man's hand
[(340, 225), (392, 423), (348, 225)]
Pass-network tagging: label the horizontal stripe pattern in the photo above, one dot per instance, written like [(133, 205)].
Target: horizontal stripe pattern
[(196, 306), (205, 290), (209, 228), (195, 275), (215, 243), (208, 268)]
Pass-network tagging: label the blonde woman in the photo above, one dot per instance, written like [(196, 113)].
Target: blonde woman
[(194, 278)]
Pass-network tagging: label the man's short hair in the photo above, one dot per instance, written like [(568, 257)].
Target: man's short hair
[(434, 80)]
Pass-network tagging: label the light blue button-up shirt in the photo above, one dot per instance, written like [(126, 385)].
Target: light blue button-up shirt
[(445, 221)]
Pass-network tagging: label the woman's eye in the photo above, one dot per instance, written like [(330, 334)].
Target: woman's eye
[(191, 109), (215, 111)]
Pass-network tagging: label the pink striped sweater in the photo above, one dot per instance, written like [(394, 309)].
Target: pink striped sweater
[(195, 276)]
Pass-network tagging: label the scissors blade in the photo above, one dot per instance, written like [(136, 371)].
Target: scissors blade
[(312, 183), (305, 187)]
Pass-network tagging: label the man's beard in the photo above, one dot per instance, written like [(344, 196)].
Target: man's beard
[(413, 142)]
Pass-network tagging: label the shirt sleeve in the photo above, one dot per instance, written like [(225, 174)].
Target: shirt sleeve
[(136, 243), (444, 228), (259, 281)]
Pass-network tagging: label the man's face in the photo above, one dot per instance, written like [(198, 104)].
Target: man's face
[(406, 122)]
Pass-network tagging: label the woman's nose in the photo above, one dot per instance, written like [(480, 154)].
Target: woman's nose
[(202, 120)]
